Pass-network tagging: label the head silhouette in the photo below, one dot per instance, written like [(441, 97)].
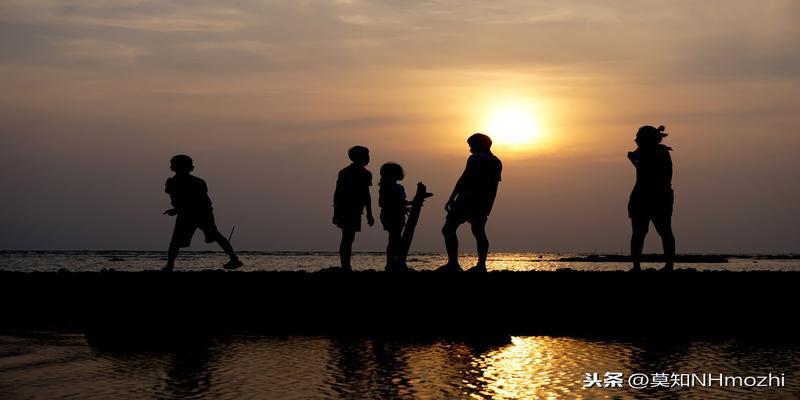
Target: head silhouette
[(392, 172), (649, 135), (359, 155), (181, 164), (479, 143)]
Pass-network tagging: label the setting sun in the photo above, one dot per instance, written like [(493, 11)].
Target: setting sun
[(513, 126)]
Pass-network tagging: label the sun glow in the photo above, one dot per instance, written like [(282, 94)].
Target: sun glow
[(514, 126)]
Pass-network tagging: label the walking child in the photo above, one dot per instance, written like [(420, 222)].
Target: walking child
[(192, 206), (350, 199)]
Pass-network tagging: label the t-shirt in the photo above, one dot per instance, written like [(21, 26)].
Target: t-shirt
[(653, 168), (188, 193), (392, 199), (479, 183), (352, 189)]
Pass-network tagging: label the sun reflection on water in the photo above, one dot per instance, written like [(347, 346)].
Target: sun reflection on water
[(534, 367)]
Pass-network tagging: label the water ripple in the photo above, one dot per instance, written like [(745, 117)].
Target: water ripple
[(244, 367)]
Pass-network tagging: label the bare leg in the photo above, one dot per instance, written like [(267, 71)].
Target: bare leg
[(664, 228), (393, 250), (346, 248), (234, 261), (226, 246), (479, 231), (451, 241), (172, 254), (389, 254), (639, 227)]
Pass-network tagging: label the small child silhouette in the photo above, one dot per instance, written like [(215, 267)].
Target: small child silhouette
[(349, 200), (191, 204), (394, 206)]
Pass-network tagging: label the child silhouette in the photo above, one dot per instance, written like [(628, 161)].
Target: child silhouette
[(394, 206), (192, 206), (349, 200), (471, 201)]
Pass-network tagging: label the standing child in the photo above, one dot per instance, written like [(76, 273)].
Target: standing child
[(191, 204), (394, 206), (471, 201), (350, 199)]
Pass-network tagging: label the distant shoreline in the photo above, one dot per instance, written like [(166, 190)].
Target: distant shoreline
[(578, 256)]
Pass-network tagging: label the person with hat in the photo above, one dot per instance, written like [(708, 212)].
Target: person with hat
[(471, 201), (652, 196)]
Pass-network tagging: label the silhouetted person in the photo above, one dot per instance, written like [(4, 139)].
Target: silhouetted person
[(350, 199), (394, 206), (652, 196), (472, 200), (191, 204)]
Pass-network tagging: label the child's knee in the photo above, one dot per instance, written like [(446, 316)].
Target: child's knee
[(479, 231)]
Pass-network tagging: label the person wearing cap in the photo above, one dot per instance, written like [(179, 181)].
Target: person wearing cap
[(190, 203), (471, 201), (652, 196)]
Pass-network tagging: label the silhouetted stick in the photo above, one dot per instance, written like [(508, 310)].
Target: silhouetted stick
[(411, 223), (231, 235)]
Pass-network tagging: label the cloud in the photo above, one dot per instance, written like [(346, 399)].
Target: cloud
[(273, 83), (645, 40), (133, 15)]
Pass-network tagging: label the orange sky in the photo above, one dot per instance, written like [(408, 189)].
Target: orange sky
[(268, 96)]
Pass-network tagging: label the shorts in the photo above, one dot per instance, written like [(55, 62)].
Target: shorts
[(393, 222), (468, 211), (186, 224), (348, 221), (460, 216), (649, 205)]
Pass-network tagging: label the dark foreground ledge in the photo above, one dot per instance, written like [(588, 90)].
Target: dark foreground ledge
[(596, 304)]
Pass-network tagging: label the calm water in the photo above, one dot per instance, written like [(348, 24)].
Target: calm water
[(52, 365), (313, 261), (243, 367)]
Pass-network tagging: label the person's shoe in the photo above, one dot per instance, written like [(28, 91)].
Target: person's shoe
[(635, 269), (667, 268), (479, 269), (168, 268), (449, 268), (233, 264)]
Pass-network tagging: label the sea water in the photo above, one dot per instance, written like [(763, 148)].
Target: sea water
[(64, 365), (314, 261), (55, 366)]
